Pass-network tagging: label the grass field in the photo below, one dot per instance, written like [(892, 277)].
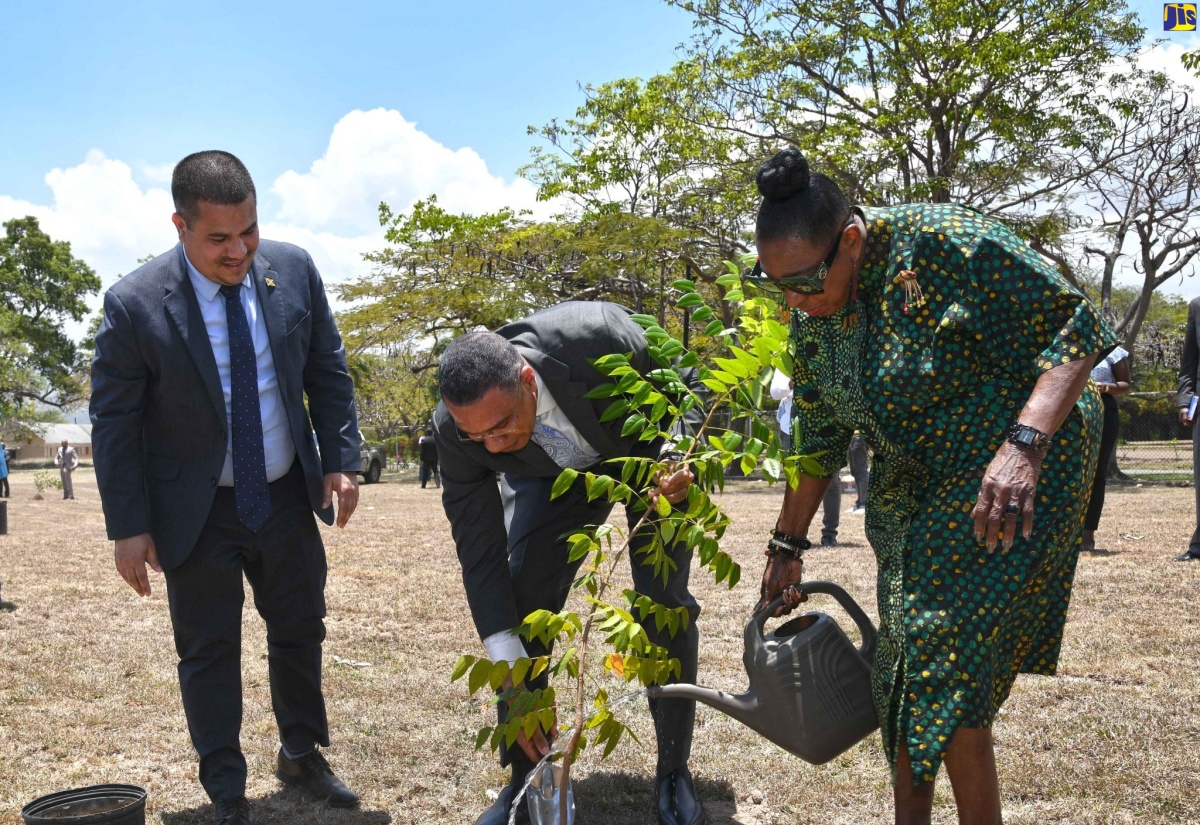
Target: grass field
[(88, 691)]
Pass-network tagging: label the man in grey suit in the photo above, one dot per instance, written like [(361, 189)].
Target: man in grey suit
[(207, 469), (513, 403), (1189, 378)]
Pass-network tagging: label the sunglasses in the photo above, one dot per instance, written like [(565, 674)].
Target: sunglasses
[(806, 284)]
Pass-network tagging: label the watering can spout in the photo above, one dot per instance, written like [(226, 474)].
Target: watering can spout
[(743, 708)]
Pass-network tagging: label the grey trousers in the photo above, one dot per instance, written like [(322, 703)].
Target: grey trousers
[(68, 487)]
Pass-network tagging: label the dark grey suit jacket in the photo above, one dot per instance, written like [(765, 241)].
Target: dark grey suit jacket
[(159, 430), (1189, 362), (559, 343)]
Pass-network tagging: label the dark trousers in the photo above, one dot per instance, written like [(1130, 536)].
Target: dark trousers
[(429, 469), (1195, 542), (1108, 443), (4, 491), (859, 468), (542, 578), (285, 565)]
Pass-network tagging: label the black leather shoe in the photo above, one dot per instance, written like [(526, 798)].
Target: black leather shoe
[(828, 541), (1192, 554), (497, 814), (677, 800), (312, 773), (233, 812)]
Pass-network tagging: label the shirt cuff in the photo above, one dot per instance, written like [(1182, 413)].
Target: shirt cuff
[(505, 646)]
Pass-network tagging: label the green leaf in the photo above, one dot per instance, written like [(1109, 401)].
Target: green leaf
[(599, 487), (663, 506), (643, 320), (734, 295), (482, 737), (520, 670), (563, 483), (497, 675), (615, 410), (728, 280), (715, 327), (479, 675), (464, 662), (702, 314), (690, 299), (634, 423), (601, 391), (689, 360), (684, 285)]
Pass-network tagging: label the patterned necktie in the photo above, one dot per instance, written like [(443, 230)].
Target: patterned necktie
[(562, 451), (249, 462)]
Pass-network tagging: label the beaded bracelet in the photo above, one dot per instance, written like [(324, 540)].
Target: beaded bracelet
[(787, 546)]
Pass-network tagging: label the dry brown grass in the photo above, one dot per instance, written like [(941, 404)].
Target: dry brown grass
[(88, 692)]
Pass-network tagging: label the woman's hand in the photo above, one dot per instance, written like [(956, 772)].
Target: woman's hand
[(779, 575), (1006, 495)]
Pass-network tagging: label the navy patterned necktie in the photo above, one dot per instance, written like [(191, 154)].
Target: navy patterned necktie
[(249, 462)]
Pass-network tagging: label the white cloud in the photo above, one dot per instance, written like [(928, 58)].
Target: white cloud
[(109, 220), (379, 156), (112, 216)]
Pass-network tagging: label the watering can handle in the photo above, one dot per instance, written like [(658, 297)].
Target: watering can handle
[(869, 634)]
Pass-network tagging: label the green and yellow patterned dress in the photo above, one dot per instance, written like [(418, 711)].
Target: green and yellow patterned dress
[(933, 384)]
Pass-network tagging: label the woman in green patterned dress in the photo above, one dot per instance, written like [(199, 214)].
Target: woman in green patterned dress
[(964, 359)]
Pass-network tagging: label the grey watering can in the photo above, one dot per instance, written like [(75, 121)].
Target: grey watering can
[(810, 688)]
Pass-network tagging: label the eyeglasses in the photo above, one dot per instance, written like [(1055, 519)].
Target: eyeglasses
[(806, 284), (507, 426)]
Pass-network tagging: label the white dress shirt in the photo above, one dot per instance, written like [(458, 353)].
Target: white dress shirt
[(278, 448), (506, 645)]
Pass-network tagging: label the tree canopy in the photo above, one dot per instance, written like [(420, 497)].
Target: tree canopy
[(42, 285)]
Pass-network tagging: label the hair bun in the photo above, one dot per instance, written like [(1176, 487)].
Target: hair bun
[(783, 175)]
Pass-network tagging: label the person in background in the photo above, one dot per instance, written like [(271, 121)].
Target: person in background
[(67, 461), (4, 491), (427, 445), (1111, 377), (962, 357), (861, 470), (831, 504), (1189, 377)]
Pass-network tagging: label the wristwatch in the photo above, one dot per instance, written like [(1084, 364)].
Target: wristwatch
[(1028, 438)]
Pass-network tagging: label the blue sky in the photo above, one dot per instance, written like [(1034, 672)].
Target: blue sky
[(332, 106)]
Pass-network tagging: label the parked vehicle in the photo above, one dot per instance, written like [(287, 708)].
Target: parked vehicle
[(374, 459)]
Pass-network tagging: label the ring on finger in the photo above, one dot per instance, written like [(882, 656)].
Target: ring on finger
[(1012, 509)]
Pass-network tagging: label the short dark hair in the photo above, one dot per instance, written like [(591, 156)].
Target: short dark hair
[(213, 176), (798, 203), (476, 363)]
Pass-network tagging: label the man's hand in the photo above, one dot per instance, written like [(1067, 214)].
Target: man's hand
[(131, 556), (673, 482), (346, 487), (778, 577), (538, 745), (1183, 417)]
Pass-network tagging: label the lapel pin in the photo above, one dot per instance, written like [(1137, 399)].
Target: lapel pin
[(270, 282)]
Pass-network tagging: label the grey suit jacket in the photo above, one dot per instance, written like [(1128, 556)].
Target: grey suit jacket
[(559, 343), (159, 428), (1189, 362)]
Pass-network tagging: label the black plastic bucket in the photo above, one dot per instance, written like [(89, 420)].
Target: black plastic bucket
[(107, 804)]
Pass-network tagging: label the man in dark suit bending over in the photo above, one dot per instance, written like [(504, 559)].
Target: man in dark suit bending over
[(513, 403), (207, 468)]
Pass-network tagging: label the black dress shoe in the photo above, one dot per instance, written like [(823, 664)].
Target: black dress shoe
[(677, 800), (1192, 554), (312, 773), (497, 814), (233, 812)]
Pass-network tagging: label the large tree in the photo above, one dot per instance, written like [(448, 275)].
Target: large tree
[(1144, 201), (42, 286), (968, 101)]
